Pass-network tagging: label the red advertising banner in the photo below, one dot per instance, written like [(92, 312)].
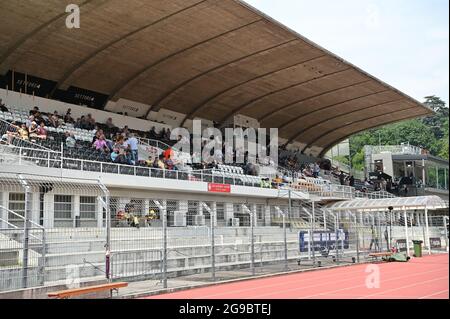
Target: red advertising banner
[(219, 188)]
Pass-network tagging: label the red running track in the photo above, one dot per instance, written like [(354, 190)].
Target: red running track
[(420, 278)]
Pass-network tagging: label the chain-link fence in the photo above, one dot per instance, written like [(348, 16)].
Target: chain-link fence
[(51, 231), (66, 231)]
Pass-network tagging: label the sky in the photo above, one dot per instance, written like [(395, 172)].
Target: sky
[(404, 43)]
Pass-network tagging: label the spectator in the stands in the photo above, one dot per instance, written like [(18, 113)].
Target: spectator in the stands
[(90, 122), (121, 158), (342, 178), (42, 131), (34, 111), (3, 107), (308, 171), (77, 123), (38, 117), (167, 137), (11, 132), (100, 144), (316, 170), (109, 123), (133, 145), (125, 131), (119, 143), (29, 120), (23, 132), (81, 123), (351, 181), (68, 117), (149, 161), (54, 119), (32, 130), (160, 162), (152, 133), (114, 154), (169, 164), (97, 135), (70, 139), (168, 153), (277, 181)]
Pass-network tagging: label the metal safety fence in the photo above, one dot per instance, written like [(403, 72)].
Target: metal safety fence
[(60, 231)]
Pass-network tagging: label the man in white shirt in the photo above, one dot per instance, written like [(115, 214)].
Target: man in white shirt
[(133, 143)]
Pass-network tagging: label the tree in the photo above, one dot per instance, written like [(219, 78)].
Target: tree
[(430, 133)]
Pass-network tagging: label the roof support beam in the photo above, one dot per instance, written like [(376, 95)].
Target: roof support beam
[(328, 106), (409, 116), (286, 106), (28, 36), (156, 104), (294, 137), (145, 69), (200, 106), (86, 59), (259, 98)]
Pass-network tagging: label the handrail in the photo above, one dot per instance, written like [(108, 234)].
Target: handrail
[(3, 131), (8, 223), (326, 188), (21, 217)]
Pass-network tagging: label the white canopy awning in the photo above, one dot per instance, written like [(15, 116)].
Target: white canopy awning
[(397, 203)]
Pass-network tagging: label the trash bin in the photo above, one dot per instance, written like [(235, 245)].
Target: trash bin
[(417, 248)]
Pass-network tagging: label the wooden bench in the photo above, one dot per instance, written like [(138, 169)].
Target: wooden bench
[(64, 294), (381, 254)]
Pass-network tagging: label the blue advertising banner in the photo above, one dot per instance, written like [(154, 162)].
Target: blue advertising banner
[(323, 240)]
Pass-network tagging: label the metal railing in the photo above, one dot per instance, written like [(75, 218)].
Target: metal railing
[(395, 149), (54, 159)]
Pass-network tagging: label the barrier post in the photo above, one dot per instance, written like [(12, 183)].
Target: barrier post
[(313, 217), (285, 233), (26, 231), (26, 236), (357, 240), (406, 230), (445, 218), (252, 225), (427, 231), (336, 234), (164, 224), (213, 216)]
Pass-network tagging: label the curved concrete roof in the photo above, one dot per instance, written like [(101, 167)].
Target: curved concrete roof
[(204, 58)]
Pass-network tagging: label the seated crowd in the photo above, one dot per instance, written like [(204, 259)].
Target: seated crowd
[(120, 145)]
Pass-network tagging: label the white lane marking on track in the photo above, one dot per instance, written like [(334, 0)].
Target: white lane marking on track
[(394, 271), (357, 286), (434, 294), (403, 287)]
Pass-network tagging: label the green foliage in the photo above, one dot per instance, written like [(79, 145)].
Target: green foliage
[(430, 133), (342, 159)]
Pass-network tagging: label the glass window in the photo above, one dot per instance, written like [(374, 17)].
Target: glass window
[(88, 207), (220, 211), (260, 212), (63, 206), (17, 205)]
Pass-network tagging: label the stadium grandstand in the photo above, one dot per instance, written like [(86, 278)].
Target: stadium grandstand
[(95, 191)]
